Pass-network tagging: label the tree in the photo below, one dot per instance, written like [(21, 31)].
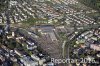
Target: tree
[(12, 43), (16, 64), (3, 3), (92, 3)]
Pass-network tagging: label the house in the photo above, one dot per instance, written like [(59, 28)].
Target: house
[(18, 52), (31, 45), (5, 48), (11, 35), (27, 61), (95, 47), (13, 2), (35, 57), (2, 58), (41, 61), (13, 59), (1, 31)]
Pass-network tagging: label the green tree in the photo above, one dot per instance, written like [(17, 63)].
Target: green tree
[(16, 64)]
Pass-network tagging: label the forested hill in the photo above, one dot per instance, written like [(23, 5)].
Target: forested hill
[(92, 3), (2, 4)]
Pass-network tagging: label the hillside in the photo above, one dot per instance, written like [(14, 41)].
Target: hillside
[(92, 3), (3, 3)]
